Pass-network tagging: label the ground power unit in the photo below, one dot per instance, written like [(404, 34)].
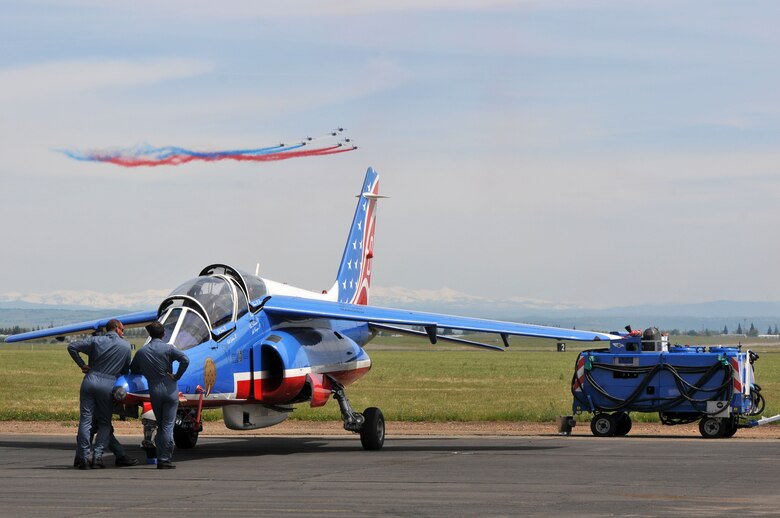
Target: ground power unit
[(683, 384)]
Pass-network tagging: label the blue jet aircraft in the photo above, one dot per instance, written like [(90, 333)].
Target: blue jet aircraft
[(259, 347)]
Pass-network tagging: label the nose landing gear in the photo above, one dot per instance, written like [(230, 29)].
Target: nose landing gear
[(370, 424)]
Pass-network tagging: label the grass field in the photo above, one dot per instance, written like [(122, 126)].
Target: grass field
[(410, 381)]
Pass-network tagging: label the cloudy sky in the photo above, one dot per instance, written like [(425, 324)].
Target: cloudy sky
[(597, 153)]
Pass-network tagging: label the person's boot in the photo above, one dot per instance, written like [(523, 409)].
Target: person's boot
[(97, 463), (125, 460), (81, 463), (76, 459)]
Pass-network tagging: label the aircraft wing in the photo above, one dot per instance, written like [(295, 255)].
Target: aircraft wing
[(130, 320), (294, 307)]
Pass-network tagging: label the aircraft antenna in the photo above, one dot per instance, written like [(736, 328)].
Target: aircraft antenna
[(257, 270)]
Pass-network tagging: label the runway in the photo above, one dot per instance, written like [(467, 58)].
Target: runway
[(421, 476)]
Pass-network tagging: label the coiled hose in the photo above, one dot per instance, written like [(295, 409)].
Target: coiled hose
[(687, 391)]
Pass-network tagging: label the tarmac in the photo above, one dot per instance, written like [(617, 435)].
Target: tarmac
[(546, 475)]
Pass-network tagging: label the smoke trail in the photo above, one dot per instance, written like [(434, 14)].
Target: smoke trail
[(148, 156)]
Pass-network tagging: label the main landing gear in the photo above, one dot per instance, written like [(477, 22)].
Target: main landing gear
[(186, 429), (370, 424)]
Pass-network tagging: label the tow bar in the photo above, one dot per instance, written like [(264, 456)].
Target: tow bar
[(764, 420)]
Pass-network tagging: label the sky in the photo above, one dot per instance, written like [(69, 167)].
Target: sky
[(593, 153)]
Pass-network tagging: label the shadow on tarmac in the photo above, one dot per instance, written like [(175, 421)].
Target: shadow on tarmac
[(262, 446), (229, 447)]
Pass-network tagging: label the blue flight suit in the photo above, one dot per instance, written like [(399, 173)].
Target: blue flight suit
[(109, 357), (155, 361)]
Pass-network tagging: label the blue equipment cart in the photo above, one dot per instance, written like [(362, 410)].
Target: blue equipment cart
[(642, 373)]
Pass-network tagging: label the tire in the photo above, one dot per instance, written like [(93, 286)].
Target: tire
[(731, 428), (184, 439), (602, 425), (372, 435), (712, 427), (622, 423)]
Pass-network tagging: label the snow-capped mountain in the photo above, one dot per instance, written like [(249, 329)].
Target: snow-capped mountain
[(83, 299)]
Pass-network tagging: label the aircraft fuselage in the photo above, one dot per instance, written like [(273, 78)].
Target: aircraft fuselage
[(269, 362)]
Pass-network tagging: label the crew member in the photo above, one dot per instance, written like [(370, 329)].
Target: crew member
[(109, 357), (155, 362)]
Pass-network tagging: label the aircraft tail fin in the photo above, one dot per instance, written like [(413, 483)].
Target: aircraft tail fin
[(354, 276)]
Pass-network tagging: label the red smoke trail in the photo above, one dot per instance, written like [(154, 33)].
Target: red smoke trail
[(183, 159)]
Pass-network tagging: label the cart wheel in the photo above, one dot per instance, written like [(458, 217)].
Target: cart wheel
[(712, 427), (731, 427), (622, 423), (602, 425)]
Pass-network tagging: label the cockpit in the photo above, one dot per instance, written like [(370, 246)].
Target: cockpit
[(207, 306)]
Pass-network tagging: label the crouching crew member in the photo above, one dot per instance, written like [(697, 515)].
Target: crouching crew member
[(155, 362), (121, 459)]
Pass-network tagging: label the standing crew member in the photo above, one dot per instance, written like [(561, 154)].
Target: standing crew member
[(155, 362), (109, 357)]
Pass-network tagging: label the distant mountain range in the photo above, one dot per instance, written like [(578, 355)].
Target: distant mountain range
[(63, 307), (712, 315), (30, 310), (83, 299)]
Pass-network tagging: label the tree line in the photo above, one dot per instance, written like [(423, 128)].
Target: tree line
[(753, 331), (139, 332), (16, 330)]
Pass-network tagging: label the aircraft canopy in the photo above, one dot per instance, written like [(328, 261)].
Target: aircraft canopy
[(215, 295), (202, 306), (184, 328)]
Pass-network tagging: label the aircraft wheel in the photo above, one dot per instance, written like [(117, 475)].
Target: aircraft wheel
[(602, 425), (713, 427), (372, 435), (184, 439), (623, 423)]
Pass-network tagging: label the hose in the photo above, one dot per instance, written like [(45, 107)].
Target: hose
[(687, 390), (759, 403)]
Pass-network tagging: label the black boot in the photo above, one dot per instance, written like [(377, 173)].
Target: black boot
[(125, 460)]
